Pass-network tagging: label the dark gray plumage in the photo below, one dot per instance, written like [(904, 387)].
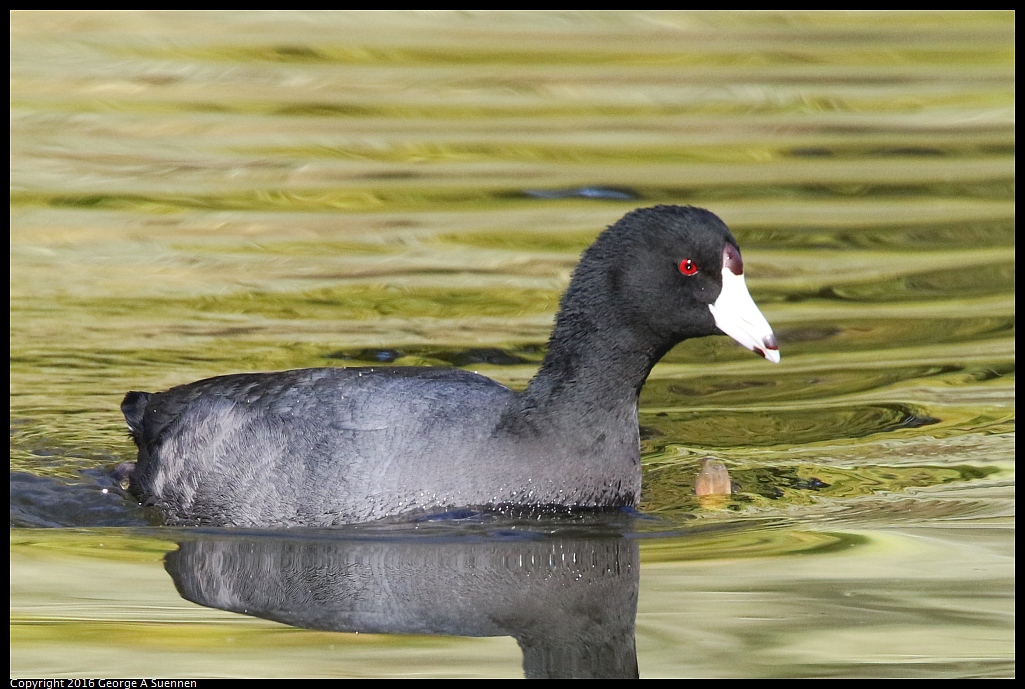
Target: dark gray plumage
[(325, 446)]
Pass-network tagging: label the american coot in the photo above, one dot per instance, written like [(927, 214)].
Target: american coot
[(325, 446)]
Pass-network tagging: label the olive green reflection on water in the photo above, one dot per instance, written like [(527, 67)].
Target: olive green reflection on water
[(881, 146), (761, 388), (935, 235), (837, 424), (669, 486), (355, 302), (369, 198)]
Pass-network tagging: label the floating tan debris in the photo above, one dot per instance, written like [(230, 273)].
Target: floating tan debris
[(713, 479)]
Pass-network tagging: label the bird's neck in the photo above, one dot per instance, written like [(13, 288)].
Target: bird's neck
[(593, 371)]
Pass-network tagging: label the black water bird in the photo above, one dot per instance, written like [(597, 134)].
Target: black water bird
[(327, 446)]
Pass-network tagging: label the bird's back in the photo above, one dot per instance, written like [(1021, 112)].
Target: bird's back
[(316, 446)]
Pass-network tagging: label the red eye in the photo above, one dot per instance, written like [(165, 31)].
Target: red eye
[(688, 267)]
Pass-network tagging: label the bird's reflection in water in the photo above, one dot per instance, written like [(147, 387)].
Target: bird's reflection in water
[(569, 600)]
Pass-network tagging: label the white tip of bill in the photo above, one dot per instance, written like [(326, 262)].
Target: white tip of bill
[(736, 315)]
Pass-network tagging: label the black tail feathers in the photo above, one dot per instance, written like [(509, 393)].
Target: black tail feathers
[(134, 409)]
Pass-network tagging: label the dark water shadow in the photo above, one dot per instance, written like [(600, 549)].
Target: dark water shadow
[(569, 600), (92, 499)]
